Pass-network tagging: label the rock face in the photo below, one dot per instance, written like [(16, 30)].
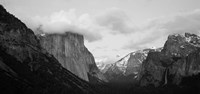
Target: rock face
[(179, 58), (26, 68), (69, 50), (128, 67)]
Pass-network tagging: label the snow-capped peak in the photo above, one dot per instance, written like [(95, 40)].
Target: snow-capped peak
[(122, 64), (42, 34)]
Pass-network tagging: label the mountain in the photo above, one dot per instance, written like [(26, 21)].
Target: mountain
[(27, 68), (103, 67), (172, 69), (70, 51), (128, 67), (179, 58)]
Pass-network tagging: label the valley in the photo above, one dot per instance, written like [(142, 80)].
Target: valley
[(61, 64)]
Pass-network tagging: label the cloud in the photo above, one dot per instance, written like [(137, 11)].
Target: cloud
[(62, 21), (113, 29), (108, 37), (156, 30), (113, 21), (153, 33), (116, 20)]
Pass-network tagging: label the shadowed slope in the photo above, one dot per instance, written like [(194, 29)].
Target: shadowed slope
[(26, 68)]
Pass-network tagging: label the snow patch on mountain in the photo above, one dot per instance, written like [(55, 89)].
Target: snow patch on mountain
[(122, 63)]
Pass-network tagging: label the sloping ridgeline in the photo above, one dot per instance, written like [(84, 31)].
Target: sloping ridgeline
[(173, 70), (26, 68)]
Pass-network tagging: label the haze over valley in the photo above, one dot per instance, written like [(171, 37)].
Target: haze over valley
[(99, 47)]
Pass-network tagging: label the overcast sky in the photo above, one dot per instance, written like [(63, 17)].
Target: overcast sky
[(112, 28)]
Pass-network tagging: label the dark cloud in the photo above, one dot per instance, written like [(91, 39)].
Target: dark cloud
[(63, 21), (117, 21), (91, 37)]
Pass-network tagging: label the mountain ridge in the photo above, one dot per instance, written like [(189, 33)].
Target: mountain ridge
[(128, 65), (28, 68)]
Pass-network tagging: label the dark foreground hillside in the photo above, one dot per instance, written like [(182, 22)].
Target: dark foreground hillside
[(27, 68)]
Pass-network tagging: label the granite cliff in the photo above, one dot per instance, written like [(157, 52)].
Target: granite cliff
[(179, 58), (27, 68), (173, 69), (69, 49)]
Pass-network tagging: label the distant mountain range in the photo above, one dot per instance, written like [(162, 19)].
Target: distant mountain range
[(61, 64), (127, 67), (177, 59)]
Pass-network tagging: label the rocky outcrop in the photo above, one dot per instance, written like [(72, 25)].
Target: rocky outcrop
[(128, 67), (68, 48), (178, 59), (27, 68)]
